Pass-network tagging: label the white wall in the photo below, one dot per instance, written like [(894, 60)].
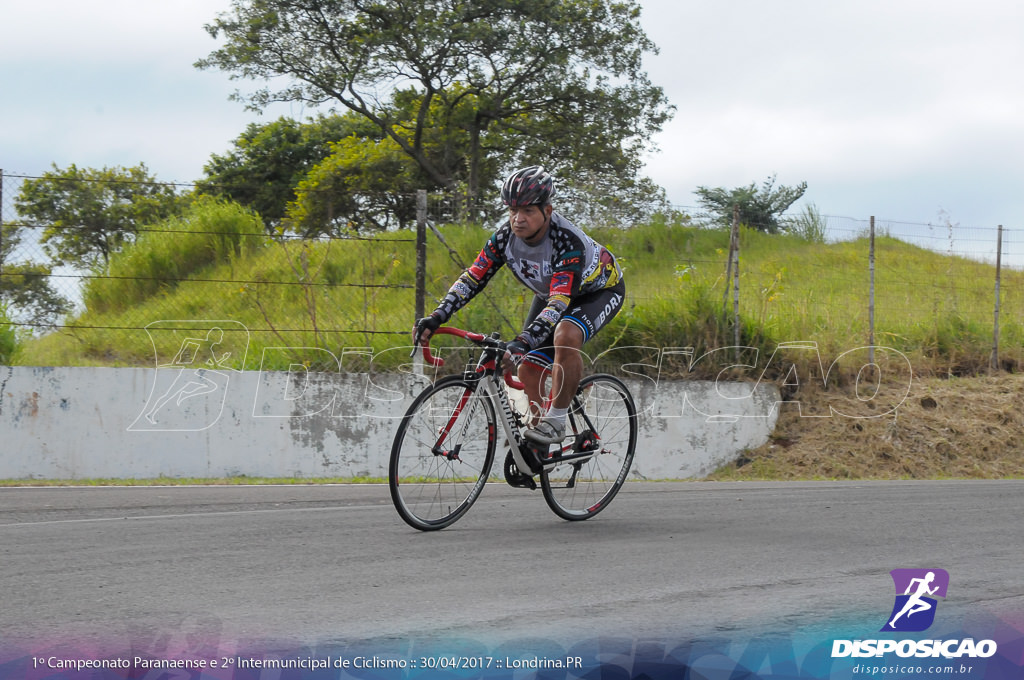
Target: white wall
[(77, 423)]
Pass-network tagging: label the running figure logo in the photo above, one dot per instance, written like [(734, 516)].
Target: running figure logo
[(914, 609), (193, 370)]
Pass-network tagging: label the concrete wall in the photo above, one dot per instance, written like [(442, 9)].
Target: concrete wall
[(77, 423)]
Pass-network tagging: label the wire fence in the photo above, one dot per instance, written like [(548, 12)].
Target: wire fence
[(965, 305), (362, 289)]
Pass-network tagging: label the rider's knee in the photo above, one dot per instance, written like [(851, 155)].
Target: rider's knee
[(568, 338), (531, 374)]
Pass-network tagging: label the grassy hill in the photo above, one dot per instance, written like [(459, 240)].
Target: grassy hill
[(803, 305), (216, 264)]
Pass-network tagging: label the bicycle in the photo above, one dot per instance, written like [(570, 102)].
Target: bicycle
[(446, 442)]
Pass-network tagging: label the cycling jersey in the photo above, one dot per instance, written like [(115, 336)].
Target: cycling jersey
[(565, 265)]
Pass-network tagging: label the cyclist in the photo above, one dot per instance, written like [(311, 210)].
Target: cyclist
[(578, 289)]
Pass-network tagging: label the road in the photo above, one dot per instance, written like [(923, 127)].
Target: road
[(179, 568)]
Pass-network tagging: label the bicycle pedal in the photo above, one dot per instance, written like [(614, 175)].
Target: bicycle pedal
[(539, 455)]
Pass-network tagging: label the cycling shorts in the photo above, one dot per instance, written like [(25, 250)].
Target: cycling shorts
[(590, 312)]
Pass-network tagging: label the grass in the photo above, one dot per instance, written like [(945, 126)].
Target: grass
[(326, 297), (943, 428), (933, 310), (311, 299)]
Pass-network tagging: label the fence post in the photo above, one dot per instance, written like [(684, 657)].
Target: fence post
[(736, 284), (732, 270), (728, 266), (995, 331), (421, 253), (871, 292)]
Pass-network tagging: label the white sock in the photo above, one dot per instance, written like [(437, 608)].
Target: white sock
[(556, 415)]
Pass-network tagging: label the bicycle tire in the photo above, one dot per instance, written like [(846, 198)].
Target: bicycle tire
[(431, 491), (578, 496)]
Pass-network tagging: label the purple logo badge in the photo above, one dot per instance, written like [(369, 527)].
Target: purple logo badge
[(916, 589)]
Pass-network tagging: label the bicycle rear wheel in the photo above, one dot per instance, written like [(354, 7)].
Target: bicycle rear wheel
[(442, 454), (579, 490)]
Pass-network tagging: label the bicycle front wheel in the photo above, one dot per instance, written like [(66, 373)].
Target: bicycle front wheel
[(442, 454), (581, 489)]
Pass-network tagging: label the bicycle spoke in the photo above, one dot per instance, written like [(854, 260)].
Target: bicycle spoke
[(579, 490), (442, 454)]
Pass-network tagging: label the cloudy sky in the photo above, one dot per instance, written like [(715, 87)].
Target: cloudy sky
[(894, 108)]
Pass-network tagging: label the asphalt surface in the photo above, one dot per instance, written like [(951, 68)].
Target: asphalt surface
[(156, 568)]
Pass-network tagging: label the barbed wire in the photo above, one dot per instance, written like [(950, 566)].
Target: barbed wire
[(330, 303)]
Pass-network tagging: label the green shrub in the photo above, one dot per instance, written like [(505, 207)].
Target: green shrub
[(211, 231), (8, 337)]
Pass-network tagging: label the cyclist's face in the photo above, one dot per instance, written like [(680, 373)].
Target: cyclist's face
[(529, 222)]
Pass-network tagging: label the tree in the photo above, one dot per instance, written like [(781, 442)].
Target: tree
[(759, 207), (368, 181), (10, 241), (327, 173), (269, 160), (559, 75), (596, 200), (362, 184), (88, 214), (26, 293)]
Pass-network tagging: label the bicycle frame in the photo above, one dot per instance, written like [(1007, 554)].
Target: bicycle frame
[(486, 382), (433, 482)]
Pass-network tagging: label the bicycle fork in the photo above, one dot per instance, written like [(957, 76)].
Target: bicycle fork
[(438, 448)]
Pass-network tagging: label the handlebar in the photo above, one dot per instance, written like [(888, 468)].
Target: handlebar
[(476, 338)]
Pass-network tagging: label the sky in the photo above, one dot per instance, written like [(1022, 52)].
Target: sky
[(903, 109)]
